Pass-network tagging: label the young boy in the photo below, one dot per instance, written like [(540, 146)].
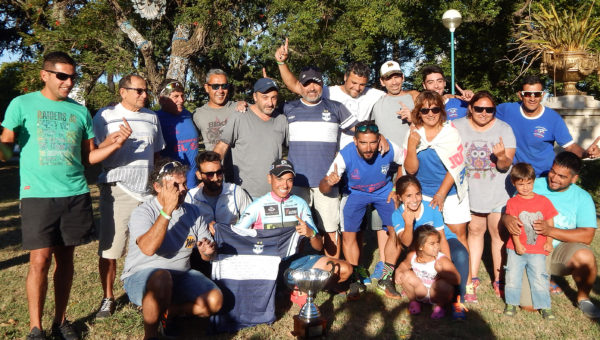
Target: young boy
[(528, 250)]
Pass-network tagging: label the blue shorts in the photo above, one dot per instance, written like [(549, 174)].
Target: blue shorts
[(187, 285), (356, 206), (304, 262)]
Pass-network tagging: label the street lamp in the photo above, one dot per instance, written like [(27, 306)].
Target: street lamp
[(451, 20)]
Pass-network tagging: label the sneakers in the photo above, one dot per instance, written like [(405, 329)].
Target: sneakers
[(388, 287), (498, 288), (298, 297), (510, 310), (589, 309), (475, 281), (547, 314), (459, 310), (36, 334), (438, 312), (377, 271), (362, 275), (471, 295), (65, 331), (354, 291), (107, 308)]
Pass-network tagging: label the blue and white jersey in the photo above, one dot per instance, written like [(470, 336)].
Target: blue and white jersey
[(535, 135), (314, 132), (427, 216), (362, 176), (456, 108), (431, 172)]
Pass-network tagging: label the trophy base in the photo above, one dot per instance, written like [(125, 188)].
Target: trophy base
[(305, 329)]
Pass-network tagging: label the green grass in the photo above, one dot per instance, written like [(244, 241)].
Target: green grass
[(371, 317)]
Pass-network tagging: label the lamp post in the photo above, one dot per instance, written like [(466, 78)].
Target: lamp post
[(451, 20)]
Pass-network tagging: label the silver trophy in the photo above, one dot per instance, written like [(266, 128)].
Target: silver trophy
[(309, 322)]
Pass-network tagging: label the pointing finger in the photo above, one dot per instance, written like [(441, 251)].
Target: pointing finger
[(299, 219), (501, 141), (264, 71), (458, 87)]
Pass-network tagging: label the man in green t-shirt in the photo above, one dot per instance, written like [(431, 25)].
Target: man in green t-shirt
[(56, 139)]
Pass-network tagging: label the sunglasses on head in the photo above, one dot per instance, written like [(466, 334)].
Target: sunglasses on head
[(371, 127), (536, 94), (435, 110), (138, 90), (168, 167), (171, 86), (218, 86), (487, 109), (211, 174), (63, 76)]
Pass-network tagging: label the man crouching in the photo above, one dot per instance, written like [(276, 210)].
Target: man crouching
[(163, 232)]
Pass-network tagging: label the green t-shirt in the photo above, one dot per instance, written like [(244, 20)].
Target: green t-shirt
[(50, 134)]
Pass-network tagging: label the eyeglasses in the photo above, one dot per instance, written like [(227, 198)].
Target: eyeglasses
[(211, 174), (219, 86), (487, 109), (168, 167), (435, 110), (138, 90), (63, 76), (371, 127), (536, 94)]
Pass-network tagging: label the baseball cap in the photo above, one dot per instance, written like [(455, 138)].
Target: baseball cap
[(310, 73), (281, 166), (264, 84), (389, 67)]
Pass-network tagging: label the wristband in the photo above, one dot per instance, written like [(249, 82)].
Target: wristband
[(313, 235), (164, 214), (280, 62), (394, 189)]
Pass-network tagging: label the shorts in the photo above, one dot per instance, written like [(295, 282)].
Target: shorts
[(326, 206), (56, 221), (303, 262), (454, 212), (556, 264), (187, 285), (115, 208), (356, 205), (426, 298)]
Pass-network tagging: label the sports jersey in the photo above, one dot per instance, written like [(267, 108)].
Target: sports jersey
[(456, 108), (427, 216), (431, 172)]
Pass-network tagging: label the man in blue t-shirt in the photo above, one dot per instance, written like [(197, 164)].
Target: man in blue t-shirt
[(537, 127), (315, 124), (368, 176), (179, 131), (573, 230), (434, 80)]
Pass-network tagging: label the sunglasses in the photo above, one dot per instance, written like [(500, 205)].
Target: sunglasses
[(435, 110), (138, 90), (211, 174), (536, 94), (219, 86), (63, 76), (371, 127), (171, 87), (168, 167), (487, 109)]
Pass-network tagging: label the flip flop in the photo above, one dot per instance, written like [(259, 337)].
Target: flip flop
[(554, 288), (414, 307)]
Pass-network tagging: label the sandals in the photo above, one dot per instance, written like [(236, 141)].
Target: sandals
[(438, 312), (414, 307), (554, 288), (475, 281)]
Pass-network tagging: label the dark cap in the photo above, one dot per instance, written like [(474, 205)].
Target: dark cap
[(310, 73), (281, 166), (263, 85)]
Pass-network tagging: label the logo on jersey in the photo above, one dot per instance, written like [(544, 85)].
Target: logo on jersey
[(385, 168), (190, 242), (258, 247), (271, 210), (291, 211), (539, 131), (355, 174), (326, 115), (452, 112)]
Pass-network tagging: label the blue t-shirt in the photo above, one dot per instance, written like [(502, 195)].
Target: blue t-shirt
[(535, 135), (374, 176), (431, 172), (429, 216), (575, 206), (456, 108), (314, 132), (181, 137)]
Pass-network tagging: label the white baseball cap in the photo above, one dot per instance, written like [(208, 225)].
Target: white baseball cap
[(390, 67)]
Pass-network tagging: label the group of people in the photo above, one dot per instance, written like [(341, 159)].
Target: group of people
[(428, 172)]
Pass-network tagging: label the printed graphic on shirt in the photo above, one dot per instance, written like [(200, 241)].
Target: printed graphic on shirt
[(214, 130), (291, 211), (478, 157), (190, 242), (271, 210), (57, 137)]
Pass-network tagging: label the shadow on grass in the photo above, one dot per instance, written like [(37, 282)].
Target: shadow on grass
[(15, 261), (9, 235), (81, 324), (571, 291)]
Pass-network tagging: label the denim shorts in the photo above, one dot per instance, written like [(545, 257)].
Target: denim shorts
[(187, 285)]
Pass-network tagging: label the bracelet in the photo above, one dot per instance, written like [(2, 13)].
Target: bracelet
[(280, 62), (394, 189), (164, 214), (313, 235)]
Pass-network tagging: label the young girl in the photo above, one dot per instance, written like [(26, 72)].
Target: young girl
[(411, 213), (427, 275)]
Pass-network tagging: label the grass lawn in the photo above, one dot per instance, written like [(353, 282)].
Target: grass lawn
[(373, 316)]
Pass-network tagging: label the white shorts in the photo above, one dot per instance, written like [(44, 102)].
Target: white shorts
[(454, 212), (115, 208), (327, 207)]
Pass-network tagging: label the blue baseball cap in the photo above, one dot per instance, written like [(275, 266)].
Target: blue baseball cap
[(263, 85)]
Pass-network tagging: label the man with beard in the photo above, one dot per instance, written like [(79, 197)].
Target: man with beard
[(315, 124), (369, 180), (256, 139), (227, 200)]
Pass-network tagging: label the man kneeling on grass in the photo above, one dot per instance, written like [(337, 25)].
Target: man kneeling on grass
[(163, 232), (279, 209)]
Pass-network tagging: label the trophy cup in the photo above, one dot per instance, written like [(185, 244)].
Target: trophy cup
[(309, 322)]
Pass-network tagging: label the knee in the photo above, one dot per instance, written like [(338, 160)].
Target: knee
[(39, 263), (160, 283), (349, 238), (583, 258), (209, 303), (476, 229), (345, 270)]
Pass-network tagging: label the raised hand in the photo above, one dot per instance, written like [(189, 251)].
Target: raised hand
[(281, 54), (303, 229), (498, 149), (466, 95), (119, 137), (169, 194), (404, 112), (593, 151), (333, 178), (414, 138), (206, 247)]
